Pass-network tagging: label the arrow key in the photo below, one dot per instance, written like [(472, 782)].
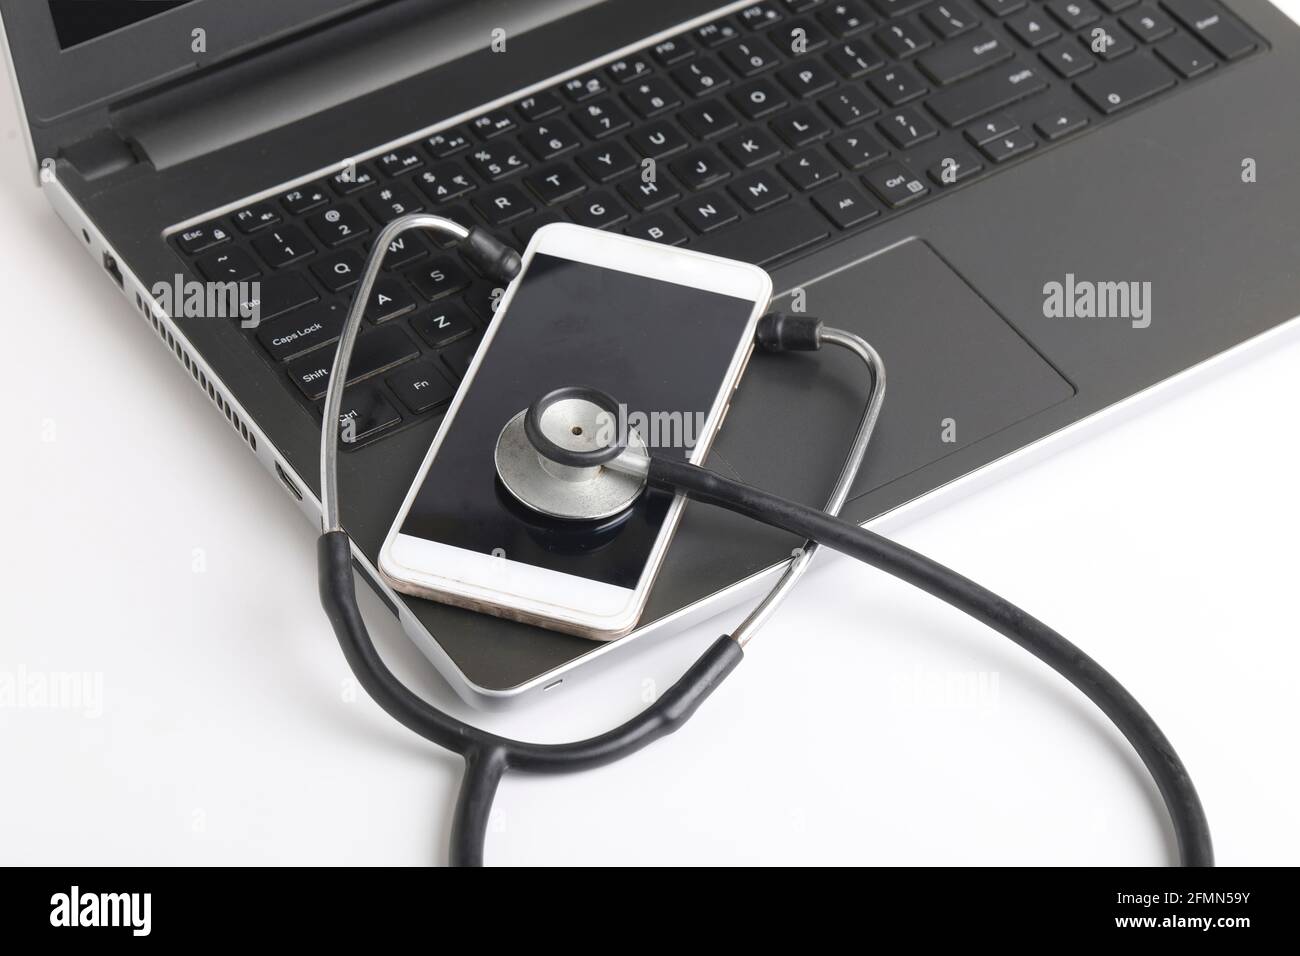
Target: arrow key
[(1061, 123)]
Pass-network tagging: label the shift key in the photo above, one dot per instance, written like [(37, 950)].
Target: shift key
[(374, 352), (987, 92)]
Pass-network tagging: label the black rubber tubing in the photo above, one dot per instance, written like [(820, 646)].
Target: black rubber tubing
[(1191, 828), (488, 756)]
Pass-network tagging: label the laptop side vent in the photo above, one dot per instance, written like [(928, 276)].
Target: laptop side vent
[(192, 367)]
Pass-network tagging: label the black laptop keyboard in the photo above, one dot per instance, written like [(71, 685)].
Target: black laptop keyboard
[(774, 130)]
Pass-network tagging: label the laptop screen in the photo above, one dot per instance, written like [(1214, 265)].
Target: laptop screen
[(77, 22)]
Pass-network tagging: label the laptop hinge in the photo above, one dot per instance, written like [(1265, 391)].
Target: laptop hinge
[(102, 154)]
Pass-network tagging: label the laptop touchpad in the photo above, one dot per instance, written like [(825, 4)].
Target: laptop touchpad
[(957, 372)]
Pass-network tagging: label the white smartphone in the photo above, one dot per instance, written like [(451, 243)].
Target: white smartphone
[(667, 333)]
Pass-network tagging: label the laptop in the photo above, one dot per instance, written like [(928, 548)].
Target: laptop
[(1036, 210)]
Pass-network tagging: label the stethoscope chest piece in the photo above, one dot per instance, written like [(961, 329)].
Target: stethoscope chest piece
[(565, 457)]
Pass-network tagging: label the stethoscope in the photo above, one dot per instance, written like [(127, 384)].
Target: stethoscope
[(560, 460)]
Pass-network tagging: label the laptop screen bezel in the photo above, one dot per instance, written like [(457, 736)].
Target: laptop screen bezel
[(58, 84)]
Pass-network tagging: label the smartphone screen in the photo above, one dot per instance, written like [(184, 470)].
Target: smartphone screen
[(659, 348)]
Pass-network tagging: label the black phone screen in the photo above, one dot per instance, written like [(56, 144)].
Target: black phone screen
[(655, 346)]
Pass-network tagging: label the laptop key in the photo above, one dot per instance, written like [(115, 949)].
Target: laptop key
[(808, 169), (438, 277), (701, 77), (628, 69), (906, 127), (1073, 14), (388, 299), (282, 246), (1206, 21), (1002, 8), (799, 127), (846, 18), (849, 105), (582, 88), (1147, 24), (648, 195), (749, 56), (277, 295), (759, 190), (701, 168), (445, 181), (555, 183), (672, 51), (443, 324), (845, 205), (1107, 41), (404, 249), (550, 139), (986, 92), (607, 162), (756, 16), (400, 161), (533, 108), (493, 124), (858, 149), (339, 270), (198, 239), (304, 199), (990, 127), (854, 59), (601, 118), (660, 228), (1033, 28), (1060, 123), (364, 413), (716, 33), (758, 99), (658, 140), (338, 225), (948, 19), (260, 215), (1124, 83), (375, 352), (502, 204), (352, 180), (806, 78), (708, 211), (1067, 59), (456, 357), (893, 183), (302, 331), (762, 239), (227, 265), (903, 38), (1185, 55), (977, 50), (422, 386), (897, 85), (448, 142), (498, 159), (392, 202), (598, 210), (952, 168), (652, 96), (751, 147), (1008, 147), (705, 120)]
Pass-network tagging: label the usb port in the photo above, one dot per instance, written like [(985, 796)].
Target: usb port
[(110, 266), (288, 482)]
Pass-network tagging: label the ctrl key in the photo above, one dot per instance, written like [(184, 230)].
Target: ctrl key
[(421, 387), (364, 413)]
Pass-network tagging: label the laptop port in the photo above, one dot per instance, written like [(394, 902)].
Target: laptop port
[(110, 266), (288, 482)]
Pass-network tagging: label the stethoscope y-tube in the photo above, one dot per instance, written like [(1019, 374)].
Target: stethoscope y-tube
[(489, 756)]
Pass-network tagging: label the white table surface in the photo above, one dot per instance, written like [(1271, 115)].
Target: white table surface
[(144, 546)]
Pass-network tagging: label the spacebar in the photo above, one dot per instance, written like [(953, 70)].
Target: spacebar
[(764, 238)]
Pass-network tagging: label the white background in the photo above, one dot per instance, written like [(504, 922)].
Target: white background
[(1165, 547)]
